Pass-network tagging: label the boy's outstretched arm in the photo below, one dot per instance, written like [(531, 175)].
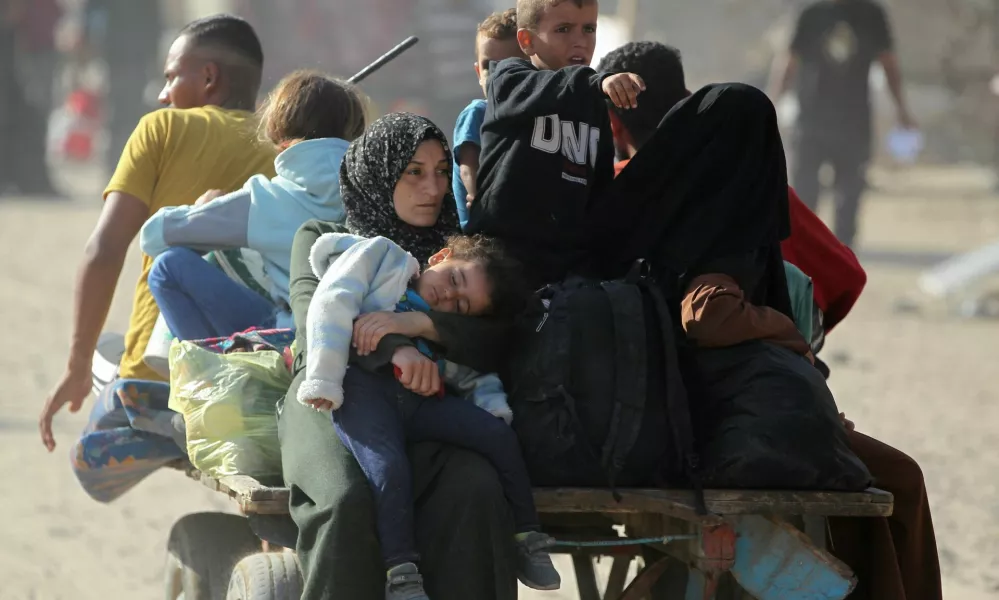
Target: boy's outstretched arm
[(517, 88), (96, 280), (623, 89)]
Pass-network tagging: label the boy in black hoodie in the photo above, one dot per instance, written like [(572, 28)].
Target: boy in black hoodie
[(547, 146)]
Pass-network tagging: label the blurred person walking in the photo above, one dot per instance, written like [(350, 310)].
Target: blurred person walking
[(23, 125), (127, 35), (835, 42), (37, 59)]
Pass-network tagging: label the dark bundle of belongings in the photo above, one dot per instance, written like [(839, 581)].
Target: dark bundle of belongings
[(605, 387), (597, 396)]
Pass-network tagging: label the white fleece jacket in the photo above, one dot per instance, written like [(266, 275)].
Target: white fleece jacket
[(361, 275)]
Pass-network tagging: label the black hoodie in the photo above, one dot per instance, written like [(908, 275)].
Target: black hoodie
[(546, 151)]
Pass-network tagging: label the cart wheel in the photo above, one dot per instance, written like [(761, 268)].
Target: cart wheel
[(266, 576), (202, 550)]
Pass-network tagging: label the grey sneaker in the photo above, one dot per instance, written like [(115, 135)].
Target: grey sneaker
[(534, 565), (405, 583)]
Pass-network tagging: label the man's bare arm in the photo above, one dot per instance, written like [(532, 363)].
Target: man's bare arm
[(96, 280), (893, 73)]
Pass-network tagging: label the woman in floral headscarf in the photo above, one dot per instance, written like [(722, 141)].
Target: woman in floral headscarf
[(395, 182)]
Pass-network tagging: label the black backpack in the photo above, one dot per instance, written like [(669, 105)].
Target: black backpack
[(595, 388)]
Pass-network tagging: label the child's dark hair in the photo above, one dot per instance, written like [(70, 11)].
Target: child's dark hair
[(508, 292), (529, 12), (661, 67), (308, 105)]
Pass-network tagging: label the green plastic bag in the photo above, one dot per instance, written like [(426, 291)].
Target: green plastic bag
[(229, 406)]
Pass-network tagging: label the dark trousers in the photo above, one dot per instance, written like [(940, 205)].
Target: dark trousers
[(463, 522), (376, 420), (894, 558), (848, 157)]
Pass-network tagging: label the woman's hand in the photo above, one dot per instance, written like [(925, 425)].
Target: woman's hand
[(417, 373), (369, 329), (208, 197), (850, 426)]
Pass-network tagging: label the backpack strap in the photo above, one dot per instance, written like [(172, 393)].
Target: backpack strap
[(631, 362), (677, 401)]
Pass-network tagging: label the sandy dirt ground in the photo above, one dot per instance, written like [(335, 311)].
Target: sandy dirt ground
[(922, 381)]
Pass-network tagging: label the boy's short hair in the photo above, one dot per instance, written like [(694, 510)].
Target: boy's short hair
[(238, 50), (226, 31), (500, 26), (661, 67), (529, 12), (508, 291)]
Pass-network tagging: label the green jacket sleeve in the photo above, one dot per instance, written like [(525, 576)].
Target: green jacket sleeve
[(482, 343), (303, 282)]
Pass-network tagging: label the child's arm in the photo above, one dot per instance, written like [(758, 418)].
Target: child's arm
[(517, 88), (467, 143), (468, 169), (219, 224), (486, 391), (357, 275)]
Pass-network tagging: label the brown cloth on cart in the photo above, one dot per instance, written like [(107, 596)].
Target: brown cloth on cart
[(894, 558)]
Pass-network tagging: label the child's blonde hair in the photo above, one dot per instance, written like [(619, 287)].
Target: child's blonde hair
[(500, 26), (308, 105), (529, 12)]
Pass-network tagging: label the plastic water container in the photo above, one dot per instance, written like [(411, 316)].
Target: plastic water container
[(157, 355)]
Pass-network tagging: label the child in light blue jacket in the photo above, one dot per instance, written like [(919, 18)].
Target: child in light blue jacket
[(311, 118)]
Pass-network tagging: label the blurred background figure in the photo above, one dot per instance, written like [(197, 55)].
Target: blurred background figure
[(829, 60), (27, 73), (37, 58), (125, 35)]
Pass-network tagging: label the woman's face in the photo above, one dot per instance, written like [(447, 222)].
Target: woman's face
[(419, 193)]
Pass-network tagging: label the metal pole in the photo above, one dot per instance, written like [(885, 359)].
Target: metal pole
[(383, 59)]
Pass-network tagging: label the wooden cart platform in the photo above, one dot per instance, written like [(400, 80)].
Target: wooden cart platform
[(767, 543)]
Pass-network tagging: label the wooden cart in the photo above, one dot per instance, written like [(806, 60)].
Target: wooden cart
[(767, 545)]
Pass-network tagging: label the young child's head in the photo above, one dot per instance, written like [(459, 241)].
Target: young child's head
[(557, 33), (495, 40), (308, 105), (473, 276)]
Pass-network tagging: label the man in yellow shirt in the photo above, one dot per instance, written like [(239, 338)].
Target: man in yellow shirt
[(205, 139)]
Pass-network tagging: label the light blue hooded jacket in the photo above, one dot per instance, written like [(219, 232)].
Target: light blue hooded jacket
[(263, 216)]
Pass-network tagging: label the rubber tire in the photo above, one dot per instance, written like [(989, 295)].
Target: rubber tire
[(266, 576), (202, 550)]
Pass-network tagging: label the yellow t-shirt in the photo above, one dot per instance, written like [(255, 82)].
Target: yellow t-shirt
[(172, 157)]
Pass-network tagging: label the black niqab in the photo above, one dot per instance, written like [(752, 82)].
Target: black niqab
[(717, 169)]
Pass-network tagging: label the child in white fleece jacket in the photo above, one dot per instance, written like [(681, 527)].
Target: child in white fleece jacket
[(362, 275), (471, 276)]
